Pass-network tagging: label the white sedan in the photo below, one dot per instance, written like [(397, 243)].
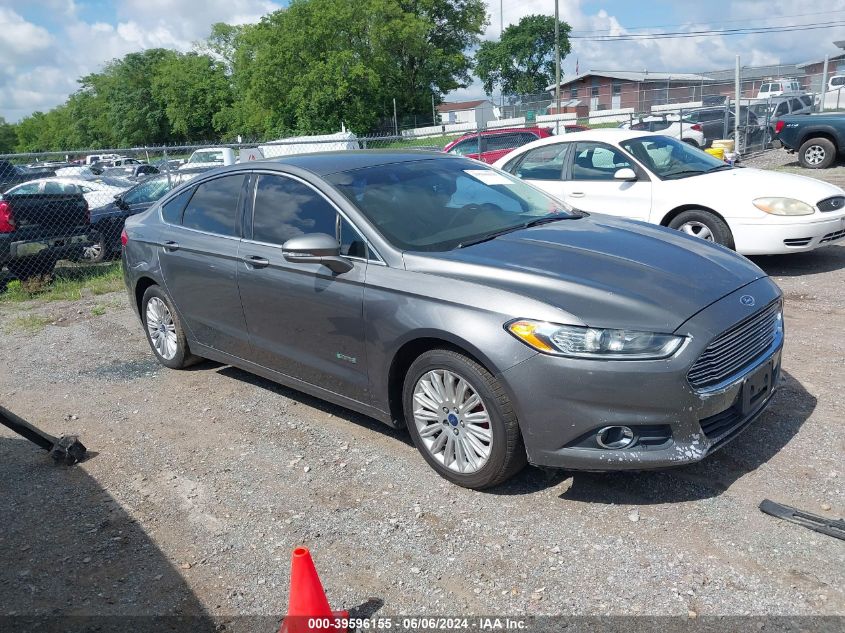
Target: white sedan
[(664, 181), (96, 192)]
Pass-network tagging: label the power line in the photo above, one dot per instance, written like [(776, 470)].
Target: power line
[(731, 21), (628, 37)]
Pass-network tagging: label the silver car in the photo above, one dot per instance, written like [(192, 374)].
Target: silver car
[(433, 292)]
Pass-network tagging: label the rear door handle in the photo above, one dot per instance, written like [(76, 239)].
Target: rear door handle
[(171, 246), (257, 262), (577, 194)]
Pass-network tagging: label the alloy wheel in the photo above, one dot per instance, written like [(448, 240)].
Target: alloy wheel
[(452, 421), (814, 155), (697, 229), (161, 328)]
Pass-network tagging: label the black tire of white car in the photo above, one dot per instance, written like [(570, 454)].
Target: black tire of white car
[(507, 453), (183, 357), (822, 153), (718, 229)]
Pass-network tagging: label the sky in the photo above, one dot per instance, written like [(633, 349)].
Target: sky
[(46, 45)]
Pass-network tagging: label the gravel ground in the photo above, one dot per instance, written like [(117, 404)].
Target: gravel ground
[(205, 480), (782, 160)]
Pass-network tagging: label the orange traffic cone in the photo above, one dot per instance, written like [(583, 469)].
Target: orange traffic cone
[(308, 607)]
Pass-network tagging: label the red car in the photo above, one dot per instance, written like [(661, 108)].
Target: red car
[(497, 143)]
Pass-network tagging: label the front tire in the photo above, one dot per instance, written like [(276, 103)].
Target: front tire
[(164, 330), (704, 225), (461, 420), (817, 153)]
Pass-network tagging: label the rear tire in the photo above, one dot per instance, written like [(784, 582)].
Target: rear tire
[(489, 427), (704, 225), (817, 153), (164, 330)]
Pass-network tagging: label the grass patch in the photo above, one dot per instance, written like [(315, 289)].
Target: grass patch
[(67, 284), (31, 323), (98, 310), (438, 142)]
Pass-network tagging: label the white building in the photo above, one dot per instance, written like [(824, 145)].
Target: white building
[(478, 112)]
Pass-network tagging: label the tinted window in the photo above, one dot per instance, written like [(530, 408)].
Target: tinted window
[(712, 115), (501, 141), (543, 163), (214, 206), (597, 162), (27, 189), (795, 104), (783, 108), (285, 208), (656, 126), (171, 210), (150, 191), (469, 146), (59, 187), (807, 101), (837, 81), (351, 243)]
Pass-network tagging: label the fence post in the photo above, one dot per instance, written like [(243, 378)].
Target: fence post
[(364, 143), (824, 82), (738, 92), (167, 170)]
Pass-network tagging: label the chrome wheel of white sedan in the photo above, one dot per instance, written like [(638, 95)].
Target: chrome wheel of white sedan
[(161, 328), (697, 229), (452, 421)]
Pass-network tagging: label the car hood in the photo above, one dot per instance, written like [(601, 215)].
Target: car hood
[(601, 271), (758, 183)]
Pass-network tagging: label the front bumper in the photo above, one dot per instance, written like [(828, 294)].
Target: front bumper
[(795, 236), (561, 403)]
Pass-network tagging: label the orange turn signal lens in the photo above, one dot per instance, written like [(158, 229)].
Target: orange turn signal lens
[(526, 331)]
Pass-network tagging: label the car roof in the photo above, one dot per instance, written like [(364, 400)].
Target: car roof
[(324, 163)]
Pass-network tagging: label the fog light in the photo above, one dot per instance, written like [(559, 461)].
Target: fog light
[(615, 437)]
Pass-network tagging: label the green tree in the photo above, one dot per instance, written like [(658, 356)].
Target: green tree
[(8, 137), (221, 44), (523, 60), (320, 63), (193, 88)]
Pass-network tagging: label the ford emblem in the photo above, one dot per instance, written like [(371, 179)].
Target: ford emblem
[(747, 300)]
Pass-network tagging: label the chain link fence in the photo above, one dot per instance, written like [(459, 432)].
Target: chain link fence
[(62, 213)]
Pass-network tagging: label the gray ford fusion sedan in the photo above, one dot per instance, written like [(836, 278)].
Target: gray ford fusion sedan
[(435, 293)]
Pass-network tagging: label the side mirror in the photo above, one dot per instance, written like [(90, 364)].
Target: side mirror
[(317, 248), (626, 173)]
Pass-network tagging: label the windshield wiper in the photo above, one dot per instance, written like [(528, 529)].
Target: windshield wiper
[(517, 227), (720, 168), (684, 172)]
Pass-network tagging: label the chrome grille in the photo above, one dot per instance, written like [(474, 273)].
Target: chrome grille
[(737, 348), (834, 203)]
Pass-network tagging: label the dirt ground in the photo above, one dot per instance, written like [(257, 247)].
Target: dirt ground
[(205, 480)]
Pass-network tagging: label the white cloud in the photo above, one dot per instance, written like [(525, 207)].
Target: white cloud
[(41, 68)]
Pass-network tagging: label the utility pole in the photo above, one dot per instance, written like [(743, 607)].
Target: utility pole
[(502, 32), (557, 64), (395, 123), (433, 111), (738, 93)]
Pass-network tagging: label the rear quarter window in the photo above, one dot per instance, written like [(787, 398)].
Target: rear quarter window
[(171, 211)]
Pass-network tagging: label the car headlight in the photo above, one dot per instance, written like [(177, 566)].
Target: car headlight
[(783, 206), (587, 342)]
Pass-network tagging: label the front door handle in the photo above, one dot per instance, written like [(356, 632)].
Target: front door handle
[(577, 194), (257, 262), (171, 246)]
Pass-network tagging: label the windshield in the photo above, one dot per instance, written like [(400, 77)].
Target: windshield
[(670, 159), (206, 157), (438, 205)]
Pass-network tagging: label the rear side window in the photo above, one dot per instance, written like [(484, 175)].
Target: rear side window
[(807, 101), (795, 104), (171, 210), (285, 208), (501, 141), (783, 108)]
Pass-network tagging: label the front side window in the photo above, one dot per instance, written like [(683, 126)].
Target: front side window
[(214, 206), (351, 242), (439, 204), (543, 163), (286, 208), (670, 158), (594, 161)]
